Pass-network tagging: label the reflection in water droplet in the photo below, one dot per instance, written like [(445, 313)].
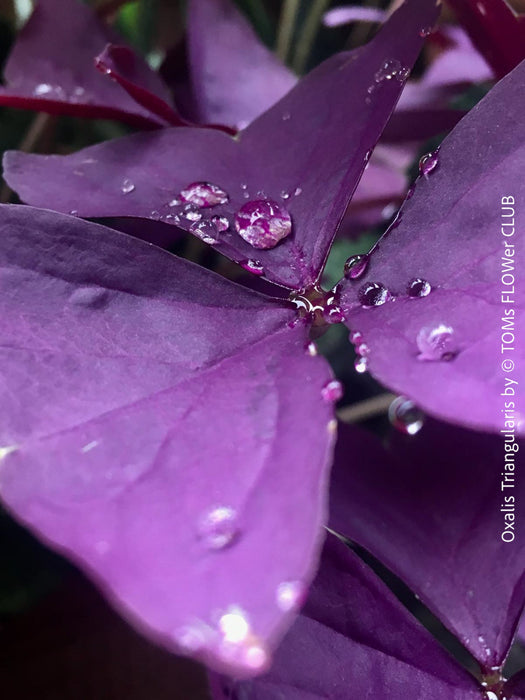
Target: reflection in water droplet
[(221, 223), (203, 194), (436, 343), (253, 266), (355, 266), (418, 288), (405, 416), (373, 294), (290, 595), (127, 186), (218, 528), (428, 163), (332, 391), (263, 223), (91, 297)]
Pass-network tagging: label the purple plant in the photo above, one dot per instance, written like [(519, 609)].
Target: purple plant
[(172, 432)]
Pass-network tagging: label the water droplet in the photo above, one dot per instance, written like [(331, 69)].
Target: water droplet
[(290, 595), (253, 266), (373, 294), (356, 337), (127, 186), (391, 68), (42, 89), (155, 215), (428, 163), (418, 288), (425, 31), (256, 657), (203, 194), (74, 212), (333, 314), (355, 266), (311, 349), (298, 191), (90, 446), (363, 350), (263, 223), (436, 343), (332, 391), (332, 426), (206, 231), (234, 626), (405, 416), (218, 527), (286, 116), (4, 451), (221, 223), (91, 297), (174, 202), (192, 215), (361, 365), (285, 194)]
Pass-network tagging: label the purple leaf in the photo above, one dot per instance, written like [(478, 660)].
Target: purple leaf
[(430, 307), (300, 154), (432, 508), (154, 430), (142, 84), (234, 76), (51, 68), (355, 640)]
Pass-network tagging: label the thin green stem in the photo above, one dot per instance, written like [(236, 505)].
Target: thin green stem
[(286, 28), (309, 32), (364, 410)]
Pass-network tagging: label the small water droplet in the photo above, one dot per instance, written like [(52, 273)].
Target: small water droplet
[(42, 89), (74, 212), (418, 288), (176, 202), (428, 163), (436, 343), (127, 186), (405, 416), (373, 294), (290, 595), (286, 116), (263, 223), (333, 314), (332, 391), (203, 194), (332, 426), (91, 297), (221, 223), (256, 657), (218, 527), (285, 194), (193, 215), (361, 365), (234, 626), (424, 32), (311, 349), (355, 266), (390, 69), (206, 231), (298, 191), (253, 266), (155, 215), (356, 337)]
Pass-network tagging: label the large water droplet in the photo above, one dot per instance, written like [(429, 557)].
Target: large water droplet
[(290, 595), (436, 343), (263, 223), (405, 416), (418, 288), (428, 163), (332, 391), (355, 266), (218, 527), (373, 294), (127, 186), (253, 266), (203, 194), (91, 297)]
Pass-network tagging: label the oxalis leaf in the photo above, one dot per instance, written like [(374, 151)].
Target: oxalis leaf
[(301, 154), (168, 432), (443, 286)]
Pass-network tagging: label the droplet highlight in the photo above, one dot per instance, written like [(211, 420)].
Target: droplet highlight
[(405, 416), (373, 294), (263, 223), (218, 527), (127, 186), (203, 195), (418, 288), (355, 266)]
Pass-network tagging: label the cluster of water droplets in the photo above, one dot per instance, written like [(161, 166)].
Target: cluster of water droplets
[(362, 352), (405, 416), (56, 92), (391, 69), (317, 307)]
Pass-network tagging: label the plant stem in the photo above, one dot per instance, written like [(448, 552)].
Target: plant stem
[(308, 34), (370, 408), (286, 28)]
